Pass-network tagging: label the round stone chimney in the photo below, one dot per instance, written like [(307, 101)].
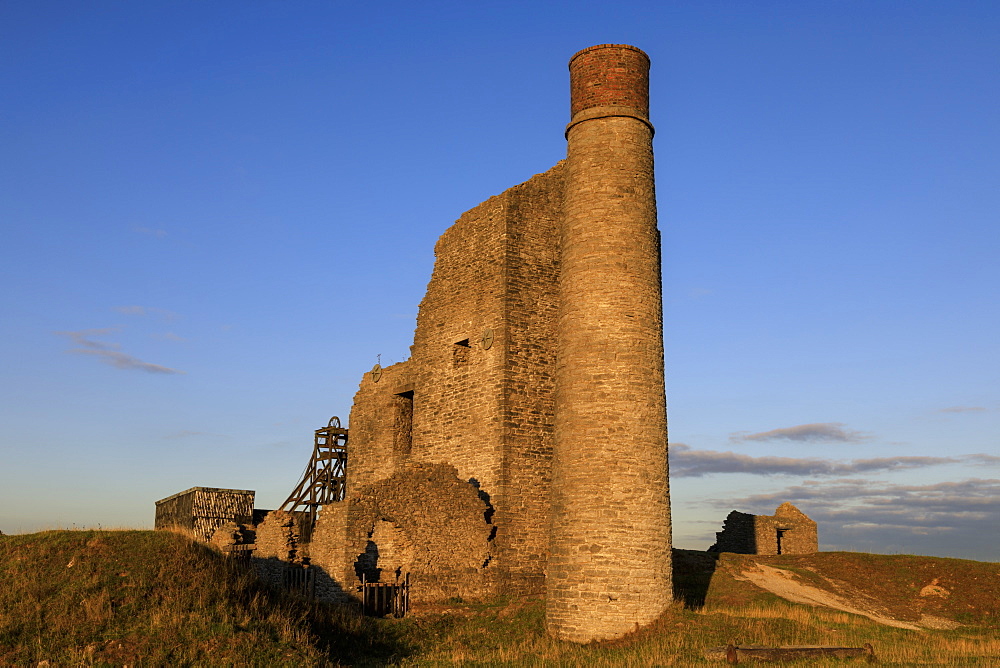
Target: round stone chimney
[(609, 562)]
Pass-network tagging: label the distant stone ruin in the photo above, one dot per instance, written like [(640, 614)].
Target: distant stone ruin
[(788, 531)]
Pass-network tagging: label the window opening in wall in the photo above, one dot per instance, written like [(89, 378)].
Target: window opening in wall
[(403, 423), (460, 354)]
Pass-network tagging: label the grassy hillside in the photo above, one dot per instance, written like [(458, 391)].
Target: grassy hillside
[(141, 598), (153, 599)]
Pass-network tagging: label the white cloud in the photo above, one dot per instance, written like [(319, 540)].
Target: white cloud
[(816, 432)]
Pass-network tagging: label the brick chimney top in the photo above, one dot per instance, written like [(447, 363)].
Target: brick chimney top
[(610, 76)]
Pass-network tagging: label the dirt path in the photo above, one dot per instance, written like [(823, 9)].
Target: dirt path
[(784, 584)]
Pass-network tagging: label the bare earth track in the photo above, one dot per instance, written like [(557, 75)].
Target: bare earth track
[(902, 591), (784, 584)]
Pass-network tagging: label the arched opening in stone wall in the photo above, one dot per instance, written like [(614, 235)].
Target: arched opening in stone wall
[(388, 554), (366, 565)]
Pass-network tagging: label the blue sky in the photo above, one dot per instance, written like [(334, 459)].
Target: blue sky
[(217, 215)]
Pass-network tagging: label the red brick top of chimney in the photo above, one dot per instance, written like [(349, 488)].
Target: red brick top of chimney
[(609, 75)]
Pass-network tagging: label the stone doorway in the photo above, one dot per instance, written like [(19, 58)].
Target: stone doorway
[(388, 554)]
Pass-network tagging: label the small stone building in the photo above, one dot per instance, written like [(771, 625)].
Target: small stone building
[(788, 531)]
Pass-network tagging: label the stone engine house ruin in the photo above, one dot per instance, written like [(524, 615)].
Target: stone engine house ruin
[(522, 448), (788, 531)]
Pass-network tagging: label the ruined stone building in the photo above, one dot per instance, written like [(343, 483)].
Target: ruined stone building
[(788, 531), (522, 449), (523, 446)]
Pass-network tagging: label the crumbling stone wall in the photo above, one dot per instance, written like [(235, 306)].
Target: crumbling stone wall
[(738, 534), (788, 531), (424, 520), (280, 536), (478, 391), (278, 546), (375, 451), (231, 534)]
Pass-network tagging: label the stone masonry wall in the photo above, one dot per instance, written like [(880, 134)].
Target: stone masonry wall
[(375, 447), (477, 392), (423, 520), (531, 273), (280, 536), (788, 531), (457, 380), (738, 534), (278, 546)]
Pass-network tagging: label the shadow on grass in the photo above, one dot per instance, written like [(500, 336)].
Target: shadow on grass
[(338, 631), (692, 574), (368, 642)]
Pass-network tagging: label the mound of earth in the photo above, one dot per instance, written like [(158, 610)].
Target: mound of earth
[(905, 591)]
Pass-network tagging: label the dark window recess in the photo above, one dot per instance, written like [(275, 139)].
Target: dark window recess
[(402, 441), (460, 354)]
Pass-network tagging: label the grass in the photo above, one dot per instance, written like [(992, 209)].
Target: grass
[(141, 598), (155, 598)]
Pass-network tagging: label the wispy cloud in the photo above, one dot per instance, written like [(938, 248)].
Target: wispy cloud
[(170, 336), (816, 432), (131, 310), (686, 462), (84, 338), (963, 409), (188, 433), (110, 352), (988, 460), (146, 310), (150, 232), (121, 360)]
